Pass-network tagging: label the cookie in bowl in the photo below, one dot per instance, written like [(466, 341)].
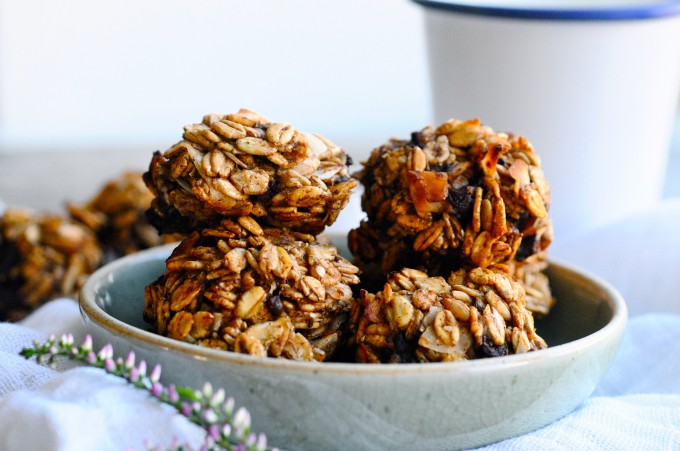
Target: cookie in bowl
[(253, 290), (416, 318), (243, 164)]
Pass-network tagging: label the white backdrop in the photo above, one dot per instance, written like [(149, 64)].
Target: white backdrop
[(78, 73)]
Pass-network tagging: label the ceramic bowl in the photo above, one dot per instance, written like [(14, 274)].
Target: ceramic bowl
[(301, 405)]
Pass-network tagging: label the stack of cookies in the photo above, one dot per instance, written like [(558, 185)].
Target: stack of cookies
[(251, 195), (454, 244), (451, 254)]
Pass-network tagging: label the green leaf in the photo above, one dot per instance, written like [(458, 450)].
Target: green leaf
[(187, 393)]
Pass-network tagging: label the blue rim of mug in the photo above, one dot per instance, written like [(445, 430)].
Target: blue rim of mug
[(641, 10)]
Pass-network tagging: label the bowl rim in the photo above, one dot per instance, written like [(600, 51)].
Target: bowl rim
[(560, 11), (90, 311)]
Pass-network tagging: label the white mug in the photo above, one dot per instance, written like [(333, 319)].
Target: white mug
[(593, 85)]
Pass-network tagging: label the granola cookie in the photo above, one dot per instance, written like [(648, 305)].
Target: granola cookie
[(417, 318), (117, 215), (42, 257), (459, 195), (243, 164), (460, 191), (264, 292)]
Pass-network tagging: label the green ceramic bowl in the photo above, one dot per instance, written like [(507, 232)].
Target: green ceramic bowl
[(301, 405)]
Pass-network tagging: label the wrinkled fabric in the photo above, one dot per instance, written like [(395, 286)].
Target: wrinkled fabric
[(70, 407)]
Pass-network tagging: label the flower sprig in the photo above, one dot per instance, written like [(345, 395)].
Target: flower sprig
[(212, 410)]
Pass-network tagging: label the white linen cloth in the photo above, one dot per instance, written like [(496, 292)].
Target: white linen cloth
[(78, 409), (636, 406)]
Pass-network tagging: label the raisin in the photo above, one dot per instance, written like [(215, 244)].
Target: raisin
[(527, 248), (274, 304), (461, 200), (404, 348), (272, 190), (444, 167), (521, 221), (490, 349)]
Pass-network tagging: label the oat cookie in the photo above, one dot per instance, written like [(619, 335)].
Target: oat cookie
[(459, 195), (42, 257), (243, 164), (460, 190), (117, 214), (417, 318), (264, 292)]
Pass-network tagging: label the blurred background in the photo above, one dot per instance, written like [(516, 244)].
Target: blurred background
[(112, 82), (81, 74), (88, 89)]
